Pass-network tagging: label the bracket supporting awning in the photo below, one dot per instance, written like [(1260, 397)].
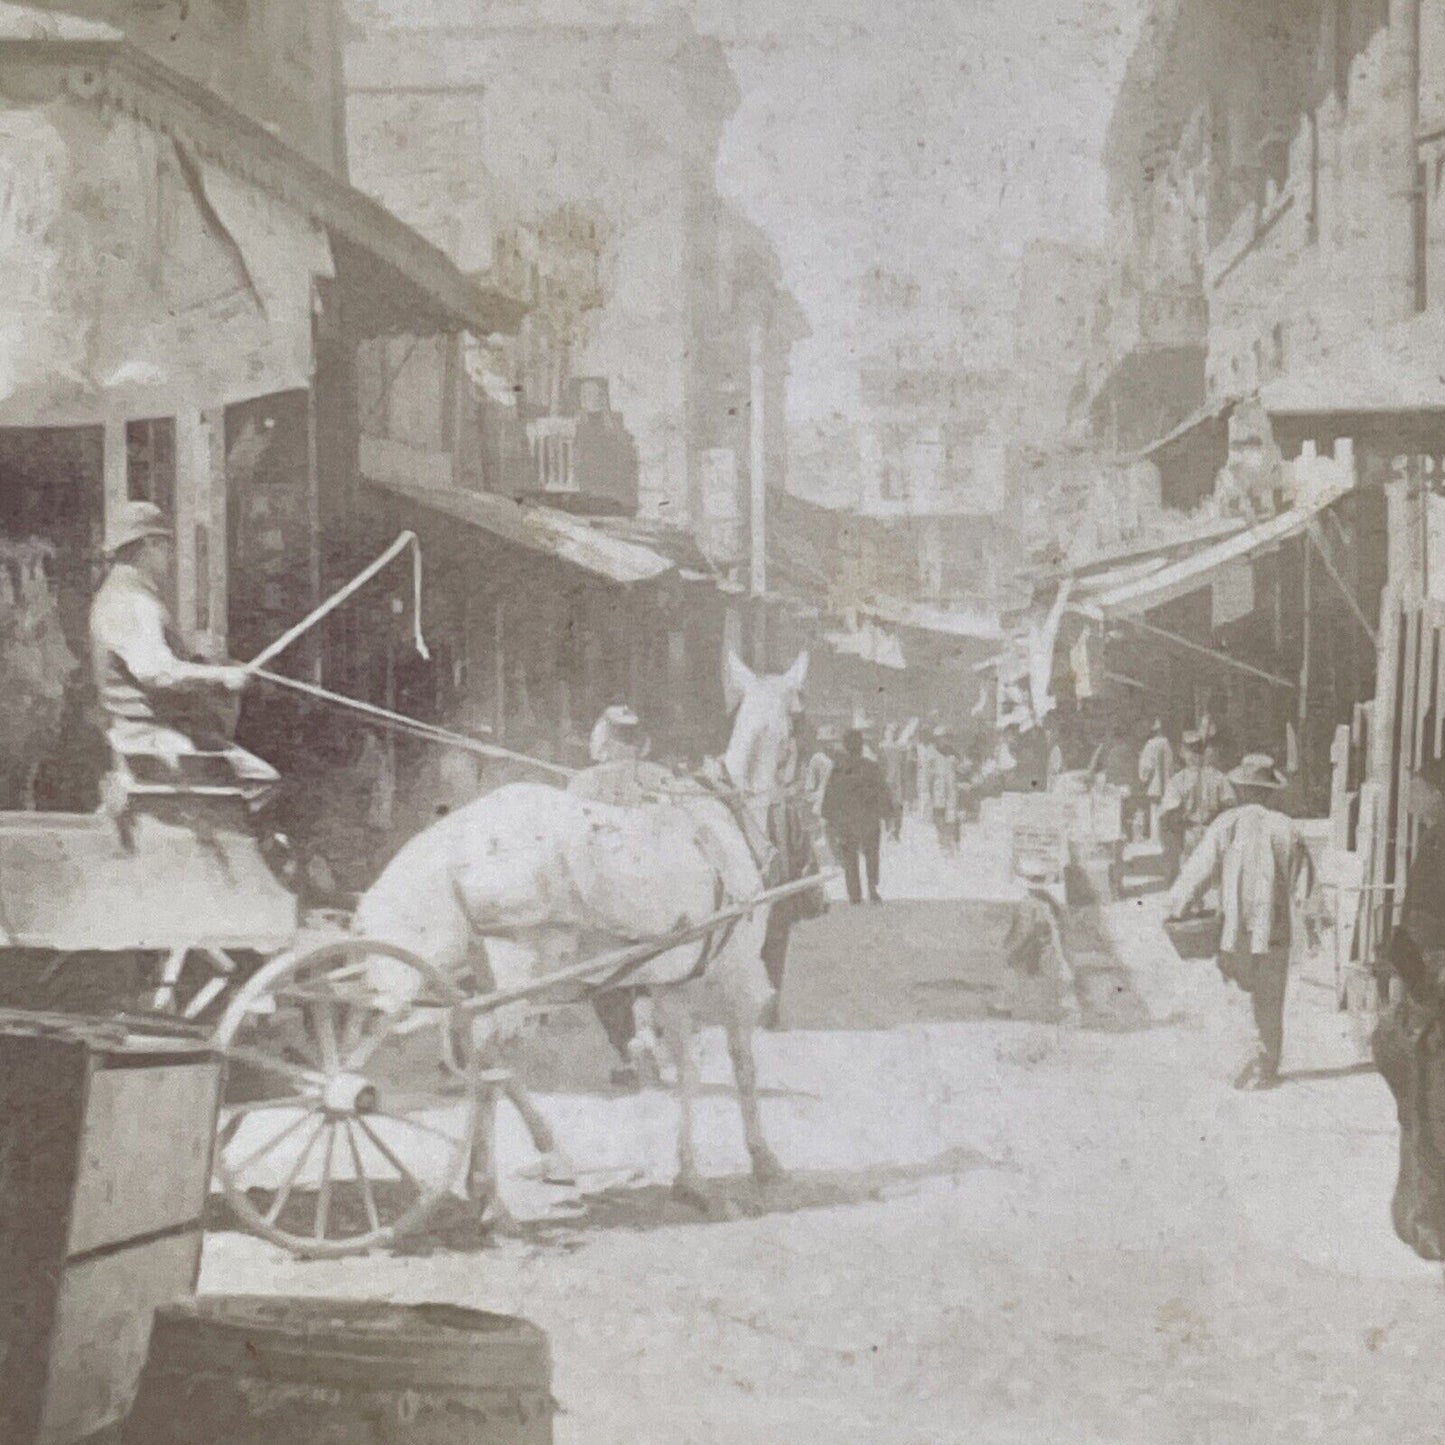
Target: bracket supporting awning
[(1223, 658)]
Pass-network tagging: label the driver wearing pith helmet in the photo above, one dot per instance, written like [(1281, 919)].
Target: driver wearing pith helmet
[(153, 697)]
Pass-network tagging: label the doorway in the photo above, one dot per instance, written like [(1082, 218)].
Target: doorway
[(51, 519)]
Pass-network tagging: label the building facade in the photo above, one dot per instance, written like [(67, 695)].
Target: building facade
[(584, 150), (190, 281)]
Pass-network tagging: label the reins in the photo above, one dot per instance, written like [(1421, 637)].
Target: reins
[(721, 786)]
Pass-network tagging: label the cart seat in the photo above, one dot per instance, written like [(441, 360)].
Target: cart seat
[(201, 774)]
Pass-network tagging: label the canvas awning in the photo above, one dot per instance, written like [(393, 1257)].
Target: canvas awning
[(1126, 593), (538, 529), (395, 279), (978, 623)]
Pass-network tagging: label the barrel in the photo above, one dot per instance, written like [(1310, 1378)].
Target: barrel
[(280, 1370)]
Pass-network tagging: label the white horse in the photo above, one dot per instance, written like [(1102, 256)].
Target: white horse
[(531, 878)]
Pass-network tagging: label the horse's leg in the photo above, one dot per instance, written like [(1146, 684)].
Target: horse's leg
[(676, 1021), (481, 1185), (554, 1167), (739, 1027)]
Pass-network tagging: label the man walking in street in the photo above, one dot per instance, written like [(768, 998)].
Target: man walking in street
[(1256, 858), (1156, 767), (938, 787), (855, 803), (1193, 798)]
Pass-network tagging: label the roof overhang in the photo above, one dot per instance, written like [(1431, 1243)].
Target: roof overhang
[(395, 280), (1131, 592), (544, 530)]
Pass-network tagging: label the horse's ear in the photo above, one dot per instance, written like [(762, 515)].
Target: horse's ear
[(797, 674), (738, 677)]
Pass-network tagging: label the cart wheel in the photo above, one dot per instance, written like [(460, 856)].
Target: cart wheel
[(349, 1152)]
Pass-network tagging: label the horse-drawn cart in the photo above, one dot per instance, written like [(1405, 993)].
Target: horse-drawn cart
[(158, 904), (355, 1150), (341, 1129)]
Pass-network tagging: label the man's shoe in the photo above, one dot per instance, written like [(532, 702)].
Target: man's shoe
[(875, 898)]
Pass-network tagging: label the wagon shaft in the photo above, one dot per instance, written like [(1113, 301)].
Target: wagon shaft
[(605, 967)]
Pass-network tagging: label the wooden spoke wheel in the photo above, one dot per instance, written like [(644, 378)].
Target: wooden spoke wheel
[(349, 1146)]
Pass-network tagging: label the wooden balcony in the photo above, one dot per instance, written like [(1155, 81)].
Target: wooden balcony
[(584, 462), (553, 440)]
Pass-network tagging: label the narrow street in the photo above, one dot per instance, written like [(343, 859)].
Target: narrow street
[(995, 1231)]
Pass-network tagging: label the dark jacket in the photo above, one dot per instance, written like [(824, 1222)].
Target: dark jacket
[(1423, 914), (856, 800)]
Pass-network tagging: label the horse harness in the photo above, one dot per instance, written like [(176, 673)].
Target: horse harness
[(767, 858)]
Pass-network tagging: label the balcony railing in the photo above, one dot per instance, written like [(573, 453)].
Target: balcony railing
[(553, 440)]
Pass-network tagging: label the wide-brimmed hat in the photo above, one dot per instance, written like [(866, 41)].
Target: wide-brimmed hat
[(621, 716), (1257, 770), (134, 522), (1193, 740)]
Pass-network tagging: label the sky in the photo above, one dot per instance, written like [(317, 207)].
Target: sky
[(933, 137)]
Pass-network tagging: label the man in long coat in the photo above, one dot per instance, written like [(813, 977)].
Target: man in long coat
[(855, 804)]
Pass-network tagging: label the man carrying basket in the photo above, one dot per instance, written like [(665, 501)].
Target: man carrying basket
[(1254, 855)]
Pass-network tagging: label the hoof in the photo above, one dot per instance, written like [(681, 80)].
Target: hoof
[(554, 1168), (689, 1190), (766, 1168)]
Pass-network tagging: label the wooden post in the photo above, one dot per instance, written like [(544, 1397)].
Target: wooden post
[(313, 528), (219, 542), (1306, 548), (499, 664), (114, 466), (758, 461), (192, 514)]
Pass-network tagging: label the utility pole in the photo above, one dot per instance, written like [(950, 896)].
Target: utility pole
[(758, 492), (1404, 50)]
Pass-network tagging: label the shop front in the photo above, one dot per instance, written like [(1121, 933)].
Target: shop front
[(184, 294)]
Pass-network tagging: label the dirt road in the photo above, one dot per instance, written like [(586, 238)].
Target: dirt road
[(996, 1232)]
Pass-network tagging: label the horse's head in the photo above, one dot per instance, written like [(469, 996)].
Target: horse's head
[(1409, 1048), (760, 750)]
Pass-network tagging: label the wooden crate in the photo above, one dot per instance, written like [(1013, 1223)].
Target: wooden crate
[(106, 1140)]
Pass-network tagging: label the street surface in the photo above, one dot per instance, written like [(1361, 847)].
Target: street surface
[(996, 1231)]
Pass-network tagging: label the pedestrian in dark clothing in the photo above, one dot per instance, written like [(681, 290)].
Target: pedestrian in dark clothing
[(855, 804)]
